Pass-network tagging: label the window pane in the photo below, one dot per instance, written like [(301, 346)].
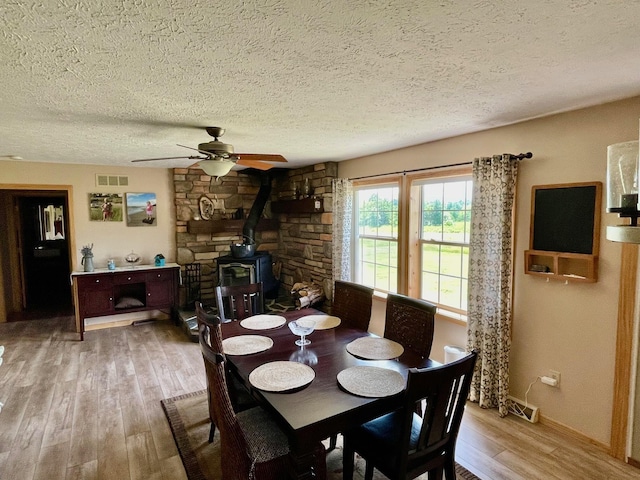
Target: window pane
[(454, 195), (377, 216), (382, 252), (382, 277), (394, 224), (446, 220), (451, 260), (467, 227), (430, 258), (465, 262), (368, 274), (432, 211), (450, 288), (393, 279), (368, 250), (453, 228), (430, 287)]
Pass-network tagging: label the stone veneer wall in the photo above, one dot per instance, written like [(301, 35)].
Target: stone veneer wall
[(305, 238), (302, 243)]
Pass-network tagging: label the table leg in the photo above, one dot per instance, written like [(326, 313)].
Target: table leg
[(302, 465)]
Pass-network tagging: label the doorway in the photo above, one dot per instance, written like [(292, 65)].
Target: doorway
[(37, 263)]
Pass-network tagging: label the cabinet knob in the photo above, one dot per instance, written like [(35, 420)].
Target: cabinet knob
[(148, 294), (128, 278), (158, 275), (97, 281)]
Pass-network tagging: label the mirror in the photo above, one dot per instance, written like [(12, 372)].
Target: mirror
[(51, 219)]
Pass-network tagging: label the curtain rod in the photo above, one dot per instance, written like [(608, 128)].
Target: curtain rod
[(520, 156)]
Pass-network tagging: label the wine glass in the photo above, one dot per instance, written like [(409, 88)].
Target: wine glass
[(302, 329)]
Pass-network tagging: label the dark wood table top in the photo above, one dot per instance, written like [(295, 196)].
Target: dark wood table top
[(322, 408)]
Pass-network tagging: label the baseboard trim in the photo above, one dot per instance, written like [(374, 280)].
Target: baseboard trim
[(562, 428)]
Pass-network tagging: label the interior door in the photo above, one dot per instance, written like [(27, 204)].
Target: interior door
[(45, 252)]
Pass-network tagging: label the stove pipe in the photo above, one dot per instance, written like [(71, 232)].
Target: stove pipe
[(248, 230)]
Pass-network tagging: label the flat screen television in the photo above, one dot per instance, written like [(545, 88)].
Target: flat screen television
[(564, 217)]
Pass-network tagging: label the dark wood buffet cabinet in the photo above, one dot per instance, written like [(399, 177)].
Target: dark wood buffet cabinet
[(110, 292)]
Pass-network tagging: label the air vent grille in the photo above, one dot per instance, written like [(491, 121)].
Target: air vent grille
[(111, 180)]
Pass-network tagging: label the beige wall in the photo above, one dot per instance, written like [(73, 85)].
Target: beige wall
[(569, 328), (110, 239)]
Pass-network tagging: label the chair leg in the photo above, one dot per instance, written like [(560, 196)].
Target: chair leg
[(450, 469), (333, 440), (368, 471), (436, 474), (212, 432)]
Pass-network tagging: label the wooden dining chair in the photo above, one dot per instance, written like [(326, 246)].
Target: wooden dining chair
[(236, 302), (240, 398), (404, 445), (410, 322), (352, 303), (252, 445)]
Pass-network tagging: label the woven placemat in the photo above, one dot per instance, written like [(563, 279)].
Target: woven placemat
[(374, 348), (281, 376), (321, 322), (366, 381), (263, 322), (246, 344)]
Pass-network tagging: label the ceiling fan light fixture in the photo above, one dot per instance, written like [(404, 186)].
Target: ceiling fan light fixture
[(216, 168)]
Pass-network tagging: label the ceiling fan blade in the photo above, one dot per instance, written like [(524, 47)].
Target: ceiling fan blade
[(265, 157), (191, 157), (257, 164)]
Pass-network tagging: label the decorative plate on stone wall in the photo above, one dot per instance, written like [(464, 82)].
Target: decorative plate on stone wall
[(206, 207)]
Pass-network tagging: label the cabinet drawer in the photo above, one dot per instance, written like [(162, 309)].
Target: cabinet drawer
[(132, 277), (94, 282), (160, 276)]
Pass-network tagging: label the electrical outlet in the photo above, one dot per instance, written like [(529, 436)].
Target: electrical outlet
[(555, 375)]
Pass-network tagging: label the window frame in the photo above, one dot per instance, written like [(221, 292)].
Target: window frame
[(409, 225), (390, 181), (419, 241)]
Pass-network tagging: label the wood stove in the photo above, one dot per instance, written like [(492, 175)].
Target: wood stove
[(242, 271)]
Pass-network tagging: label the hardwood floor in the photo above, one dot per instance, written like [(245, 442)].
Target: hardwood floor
[(91, 410)]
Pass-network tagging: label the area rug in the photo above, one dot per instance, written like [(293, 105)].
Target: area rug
[(188, 417)]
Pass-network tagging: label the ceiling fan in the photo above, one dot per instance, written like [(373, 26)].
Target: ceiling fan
[(217, 158)]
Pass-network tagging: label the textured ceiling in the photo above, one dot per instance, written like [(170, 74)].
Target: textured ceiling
[(105, 82)]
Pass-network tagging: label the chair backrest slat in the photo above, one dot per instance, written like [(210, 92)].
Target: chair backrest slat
[(237, 302), (444, 389)]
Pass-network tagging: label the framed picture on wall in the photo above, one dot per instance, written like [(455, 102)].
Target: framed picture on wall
[(105, 207), (141, 209)]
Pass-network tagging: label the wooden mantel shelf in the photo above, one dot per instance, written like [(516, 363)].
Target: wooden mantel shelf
[(228, 226), (303, 205)]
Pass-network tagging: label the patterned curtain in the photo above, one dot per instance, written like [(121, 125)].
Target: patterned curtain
[(342, 218), (490, 278)]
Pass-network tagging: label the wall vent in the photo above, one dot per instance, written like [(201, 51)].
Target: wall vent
[(111, 180), (522, 409)]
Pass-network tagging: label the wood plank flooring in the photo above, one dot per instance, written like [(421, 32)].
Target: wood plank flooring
[(91, 410)]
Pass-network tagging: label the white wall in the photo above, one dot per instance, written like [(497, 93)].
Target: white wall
[(110, 239), (569, 328)]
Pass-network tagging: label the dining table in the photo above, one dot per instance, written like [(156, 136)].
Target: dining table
[(321, 408)]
